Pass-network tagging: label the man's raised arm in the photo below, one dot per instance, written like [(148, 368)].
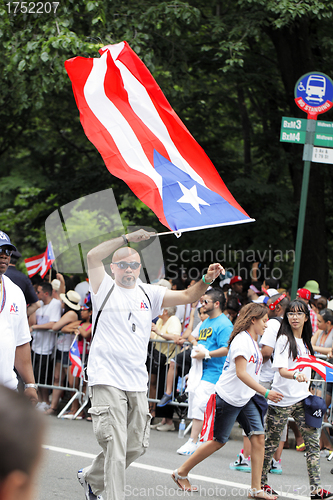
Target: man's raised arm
[(96, 255), (177, 297)]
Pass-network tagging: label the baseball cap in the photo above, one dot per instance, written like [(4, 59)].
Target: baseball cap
[(235, 279), (271, 291), (263, 299), (5, 240), (314, 408), (164, 282), (55, 284), (303, 293), (312, 285)]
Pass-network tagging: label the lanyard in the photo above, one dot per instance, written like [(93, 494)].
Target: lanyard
[(2, 295), (258, 356)]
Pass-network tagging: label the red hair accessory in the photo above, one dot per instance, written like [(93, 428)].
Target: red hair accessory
[(274, 304)]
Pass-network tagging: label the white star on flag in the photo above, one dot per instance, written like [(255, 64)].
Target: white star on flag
[(191, 197)]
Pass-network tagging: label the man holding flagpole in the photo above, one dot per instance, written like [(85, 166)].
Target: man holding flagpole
[(123, 310)]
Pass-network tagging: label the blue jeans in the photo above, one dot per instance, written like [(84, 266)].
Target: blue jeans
[(226, 415)]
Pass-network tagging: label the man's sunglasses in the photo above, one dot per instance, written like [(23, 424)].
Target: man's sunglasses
[(124, 265), (6, 251)]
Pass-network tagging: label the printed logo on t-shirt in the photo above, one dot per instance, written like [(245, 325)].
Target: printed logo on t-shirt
[(205, 333), (13, 309), (143, 305)]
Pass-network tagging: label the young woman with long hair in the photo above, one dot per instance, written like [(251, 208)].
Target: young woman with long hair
[(293, 340), (235, 389)]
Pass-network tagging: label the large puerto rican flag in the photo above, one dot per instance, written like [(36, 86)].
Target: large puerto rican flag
[(142, 141)]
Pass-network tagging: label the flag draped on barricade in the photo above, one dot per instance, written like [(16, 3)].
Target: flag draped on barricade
[(323, 368), (142, 141), (42, 262)]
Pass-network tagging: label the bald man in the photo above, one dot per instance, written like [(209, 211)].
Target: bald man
[(123, 310)]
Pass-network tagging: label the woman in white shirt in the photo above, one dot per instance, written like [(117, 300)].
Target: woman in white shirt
[(293, 340), (235, 389)]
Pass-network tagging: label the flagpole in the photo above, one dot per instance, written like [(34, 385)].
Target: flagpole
[(50, 275), (56, 267), (176, 233)]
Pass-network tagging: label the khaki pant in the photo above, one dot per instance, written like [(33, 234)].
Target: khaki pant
[(121, 426)]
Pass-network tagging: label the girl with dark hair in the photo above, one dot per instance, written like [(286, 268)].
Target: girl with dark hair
[(293, 340), (323, 338), (234, 392)]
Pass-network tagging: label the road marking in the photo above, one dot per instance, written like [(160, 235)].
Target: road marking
[(161, 470)]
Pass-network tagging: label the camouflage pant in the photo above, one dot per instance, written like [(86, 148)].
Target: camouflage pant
[(277, 417)]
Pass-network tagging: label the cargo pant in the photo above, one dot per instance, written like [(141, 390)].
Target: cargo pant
[(277, 417), (121, 425)]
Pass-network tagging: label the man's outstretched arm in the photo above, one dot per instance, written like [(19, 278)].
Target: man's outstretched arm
[(177, 297)]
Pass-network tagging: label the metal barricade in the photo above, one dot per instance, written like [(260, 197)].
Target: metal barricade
[(48, 361), (161, 361)]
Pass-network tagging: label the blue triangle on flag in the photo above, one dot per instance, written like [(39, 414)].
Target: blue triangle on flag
[(189, 204), (329, 374)]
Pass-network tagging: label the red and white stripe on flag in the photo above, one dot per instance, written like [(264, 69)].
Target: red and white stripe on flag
[(207, 433), (74, 356), (34, 264), (318, 365), (126, 116), (42, 262)]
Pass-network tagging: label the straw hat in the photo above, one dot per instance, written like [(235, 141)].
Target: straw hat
[(72, 299)]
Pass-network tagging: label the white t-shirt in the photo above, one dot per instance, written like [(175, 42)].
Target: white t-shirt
[(292, 391), (269, 339), (14, 330), (196, 330), (43, 340), (229, 387), (119, 348)]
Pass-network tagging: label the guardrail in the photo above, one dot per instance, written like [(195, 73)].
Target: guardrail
[(44, 366), (161, 356)]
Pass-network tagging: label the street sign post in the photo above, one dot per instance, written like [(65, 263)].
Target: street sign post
[(313, 95)]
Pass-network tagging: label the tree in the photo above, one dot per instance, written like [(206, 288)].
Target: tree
[(228, 69)]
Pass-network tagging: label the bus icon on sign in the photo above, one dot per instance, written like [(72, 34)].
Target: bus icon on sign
[(315, 88)]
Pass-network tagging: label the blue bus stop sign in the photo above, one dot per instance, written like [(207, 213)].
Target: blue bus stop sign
[(314, 94)]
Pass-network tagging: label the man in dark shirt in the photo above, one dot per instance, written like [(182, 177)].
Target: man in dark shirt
[(22, 281)]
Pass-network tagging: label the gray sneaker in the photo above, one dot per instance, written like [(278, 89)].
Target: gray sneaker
[(87, 490)]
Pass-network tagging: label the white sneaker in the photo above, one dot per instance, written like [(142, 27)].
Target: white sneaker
[(276, 466), (188, 448), (241, 463), (42, 406), (87, 489), (166, 427)]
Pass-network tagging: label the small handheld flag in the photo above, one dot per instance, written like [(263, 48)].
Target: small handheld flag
[(323, 368), (42, 262), (74, 356), (142, 141)]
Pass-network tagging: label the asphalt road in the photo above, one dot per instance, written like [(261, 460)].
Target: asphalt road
[(71, 445)]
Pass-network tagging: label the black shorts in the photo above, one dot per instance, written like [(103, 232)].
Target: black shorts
[(43, 367), (183, 359)]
